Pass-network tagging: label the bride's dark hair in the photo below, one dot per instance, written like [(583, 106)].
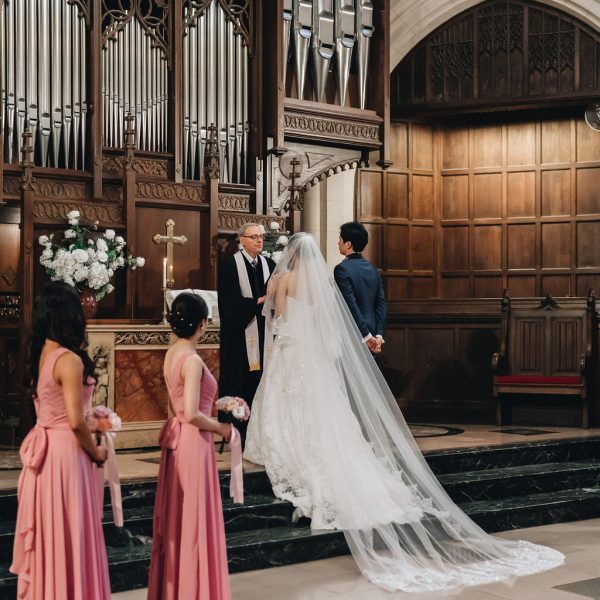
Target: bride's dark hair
[(57, 316)]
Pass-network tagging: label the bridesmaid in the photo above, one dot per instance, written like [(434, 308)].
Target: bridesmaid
[(59, 547), (189, 558)]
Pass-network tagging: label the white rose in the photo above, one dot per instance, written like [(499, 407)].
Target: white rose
[(102, 256), (110, 272), (90, 242), (274, 226), (140, 261), (110, 288), (44, 239), (282, 240), (101, 245), (109, 234), (73, 222), (79, 255), (47, 253), (74, 214), (81, 273), (119, 240), (276, 256), (69, 233)]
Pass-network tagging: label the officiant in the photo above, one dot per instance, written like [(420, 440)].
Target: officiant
[(242, 286)]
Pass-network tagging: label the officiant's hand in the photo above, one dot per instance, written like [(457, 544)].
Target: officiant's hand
[(261, 300)]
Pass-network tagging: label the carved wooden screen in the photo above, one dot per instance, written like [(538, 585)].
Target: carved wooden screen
[(467, 211), (499, 53)]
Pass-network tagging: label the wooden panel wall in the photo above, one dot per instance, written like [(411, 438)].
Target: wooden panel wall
[(466, 211)]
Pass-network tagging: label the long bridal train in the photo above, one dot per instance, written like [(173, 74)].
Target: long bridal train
[(334, 443)]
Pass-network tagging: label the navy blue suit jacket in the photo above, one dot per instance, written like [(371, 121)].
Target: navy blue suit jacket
[(362, 288)]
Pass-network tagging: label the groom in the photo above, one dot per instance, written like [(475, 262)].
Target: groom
[(361, 285), (242, 287)]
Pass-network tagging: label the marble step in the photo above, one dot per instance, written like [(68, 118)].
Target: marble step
[(522, 453), (535, 509), (259, 512), (506, 482)]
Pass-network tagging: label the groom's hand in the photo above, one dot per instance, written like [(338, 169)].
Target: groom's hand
[(261, 300)]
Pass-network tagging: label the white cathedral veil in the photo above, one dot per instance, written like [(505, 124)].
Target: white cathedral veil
[(402, 528)]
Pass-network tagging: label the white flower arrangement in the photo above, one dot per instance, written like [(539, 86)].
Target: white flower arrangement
[(84, 261), (275, 242)]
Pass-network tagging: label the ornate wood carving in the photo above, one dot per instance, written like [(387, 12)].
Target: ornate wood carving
[(339, 128), (233, 221), (234, 202), (142, 338), (50, 188), (84, 10), (112, 194), (155, 167), (11, 187), (49, 211), (239, 12), (152, 14), (330, 170), (500, 52), (171, 191)]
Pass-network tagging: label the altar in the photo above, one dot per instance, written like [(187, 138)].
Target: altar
[(129, 366)]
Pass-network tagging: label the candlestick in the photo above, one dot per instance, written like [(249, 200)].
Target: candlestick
[(164, 274), (165, 311), (171, 280)]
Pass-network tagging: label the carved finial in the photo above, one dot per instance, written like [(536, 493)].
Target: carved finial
[(26, 163), (129, 140), (549, 303), (591, 299), (212, 154), (505, 300)]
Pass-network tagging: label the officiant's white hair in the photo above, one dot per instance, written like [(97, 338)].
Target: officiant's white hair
[(242, 230)]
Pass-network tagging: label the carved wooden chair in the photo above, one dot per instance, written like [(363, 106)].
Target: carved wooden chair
[(546, 349)]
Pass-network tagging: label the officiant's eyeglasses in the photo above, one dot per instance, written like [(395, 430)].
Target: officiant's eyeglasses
[(255, 237)]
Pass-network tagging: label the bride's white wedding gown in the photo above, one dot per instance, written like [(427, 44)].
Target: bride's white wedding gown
[(334, 444)]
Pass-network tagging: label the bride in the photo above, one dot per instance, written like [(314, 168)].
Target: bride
[(333, 441)]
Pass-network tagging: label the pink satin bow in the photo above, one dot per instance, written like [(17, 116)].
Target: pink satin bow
[(169, 434), (236, 480), (34, 446)]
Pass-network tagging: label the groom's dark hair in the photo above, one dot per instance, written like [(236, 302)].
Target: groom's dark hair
[(355, 233)]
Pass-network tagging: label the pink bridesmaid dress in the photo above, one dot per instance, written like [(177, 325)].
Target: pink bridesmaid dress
[(189, 557), (59, 551)]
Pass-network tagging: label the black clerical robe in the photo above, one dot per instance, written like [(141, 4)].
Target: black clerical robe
[(236, 313)]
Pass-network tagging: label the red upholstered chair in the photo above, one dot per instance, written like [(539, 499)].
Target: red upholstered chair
[(546, 349)]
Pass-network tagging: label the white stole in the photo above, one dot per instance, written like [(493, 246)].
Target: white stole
[(251, 333)]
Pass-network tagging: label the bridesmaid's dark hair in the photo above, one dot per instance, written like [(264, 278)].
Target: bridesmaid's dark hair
[(58, 316), (187, 312)]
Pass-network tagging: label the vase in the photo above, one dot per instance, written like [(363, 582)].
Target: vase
[(89, 303)]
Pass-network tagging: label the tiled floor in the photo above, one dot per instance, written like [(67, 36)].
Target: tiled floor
[(338, 578)]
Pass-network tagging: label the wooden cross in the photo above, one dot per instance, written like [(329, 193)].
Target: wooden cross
[(169, 240)]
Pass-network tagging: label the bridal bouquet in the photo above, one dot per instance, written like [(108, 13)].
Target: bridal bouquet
[(104, 423), (83, 260), (234, 405), (101, 419), (275, 242)]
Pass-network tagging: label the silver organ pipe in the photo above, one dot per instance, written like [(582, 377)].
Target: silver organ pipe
[(303, 21), (364, 33), (322, 44), (43, 80), (215, 79), (332, 28), (134, 80), (344, 42)]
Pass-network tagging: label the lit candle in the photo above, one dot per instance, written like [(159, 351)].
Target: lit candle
[(164, 273), (171, 274)]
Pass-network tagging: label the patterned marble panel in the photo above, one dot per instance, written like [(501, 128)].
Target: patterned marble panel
[(140, 389)]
